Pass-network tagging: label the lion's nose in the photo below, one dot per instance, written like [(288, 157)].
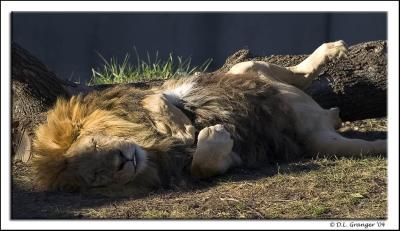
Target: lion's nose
[(124, 159)]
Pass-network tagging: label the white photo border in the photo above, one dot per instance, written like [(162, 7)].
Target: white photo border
[(392, 9)]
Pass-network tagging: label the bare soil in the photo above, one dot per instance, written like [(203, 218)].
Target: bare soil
[(311, 189)]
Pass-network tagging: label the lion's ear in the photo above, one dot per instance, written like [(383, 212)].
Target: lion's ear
[(53, 139)]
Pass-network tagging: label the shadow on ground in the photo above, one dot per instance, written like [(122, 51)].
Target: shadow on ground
[(30, 203)]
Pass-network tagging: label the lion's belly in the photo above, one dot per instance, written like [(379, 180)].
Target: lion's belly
[(309, 115)]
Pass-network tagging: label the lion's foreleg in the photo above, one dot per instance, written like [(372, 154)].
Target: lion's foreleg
[(213, 154), (169, 119)]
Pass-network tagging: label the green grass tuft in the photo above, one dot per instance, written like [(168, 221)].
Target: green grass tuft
[(144, 70), (319, 210)]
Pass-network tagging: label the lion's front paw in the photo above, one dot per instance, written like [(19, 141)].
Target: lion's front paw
[(334, 50), (215, 138), (214, 152)]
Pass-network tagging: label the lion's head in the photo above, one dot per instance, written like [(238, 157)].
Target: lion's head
[(83, 146)]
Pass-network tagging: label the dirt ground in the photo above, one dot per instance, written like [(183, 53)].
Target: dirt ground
[(311, 189)]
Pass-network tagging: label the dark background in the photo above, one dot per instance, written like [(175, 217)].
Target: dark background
[(68, 42)]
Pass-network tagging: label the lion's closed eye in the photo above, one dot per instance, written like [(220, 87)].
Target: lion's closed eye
[(101, 178)]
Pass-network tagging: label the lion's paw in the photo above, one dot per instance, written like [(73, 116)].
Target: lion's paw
[(214, 152), (215, 138), (334, 50)]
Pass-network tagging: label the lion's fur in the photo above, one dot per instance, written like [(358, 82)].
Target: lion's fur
[(125, 139), (260, 123)]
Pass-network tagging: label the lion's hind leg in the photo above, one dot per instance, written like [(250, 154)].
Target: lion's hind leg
[(330, 143), (309, 69), (213, 154), (300, 75)]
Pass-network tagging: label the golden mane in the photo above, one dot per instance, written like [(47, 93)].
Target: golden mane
[(68, 120)]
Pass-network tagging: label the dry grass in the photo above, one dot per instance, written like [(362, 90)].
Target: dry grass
[(311, 189)]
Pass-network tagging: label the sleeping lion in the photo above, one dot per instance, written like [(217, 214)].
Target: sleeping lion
[(124, 140)]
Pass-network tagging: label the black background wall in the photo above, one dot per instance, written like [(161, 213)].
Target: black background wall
[(68, 42)]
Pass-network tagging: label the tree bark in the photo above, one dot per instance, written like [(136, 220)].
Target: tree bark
[(34, 90), (357, 85)]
